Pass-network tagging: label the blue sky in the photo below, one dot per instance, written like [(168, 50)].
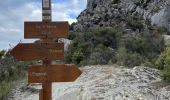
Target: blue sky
[(15, 12)]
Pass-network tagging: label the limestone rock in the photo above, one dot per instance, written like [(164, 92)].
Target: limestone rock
[(108, 83), (106, 13)]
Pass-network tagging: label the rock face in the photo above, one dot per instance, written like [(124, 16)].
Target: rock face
[(109, 83), (106, 13)]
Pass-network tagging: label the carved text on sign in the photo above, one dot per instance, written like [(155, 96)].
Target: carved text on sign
[(46, 26), (39, 74)]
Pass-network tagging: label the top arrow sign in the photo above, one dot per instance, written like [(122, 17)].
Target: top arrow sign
[(46, 30)]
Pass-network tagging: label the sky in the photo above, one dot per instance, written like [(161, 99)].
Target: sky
[(13, 13)]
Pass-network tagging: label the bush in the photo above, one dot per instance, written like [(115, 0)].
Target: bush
[(100, 57), (100, 46), (5, 88), (10, 70), (128, 59), (163, 63), (166, 66), (96, 47)]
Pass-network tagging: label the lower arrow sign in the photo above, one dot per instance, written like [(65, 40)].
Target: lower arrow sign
[(53, 73)]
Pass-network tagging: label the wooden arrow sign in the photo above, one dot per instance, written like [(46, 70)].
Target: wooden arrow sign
[(46, 29), (53, 73), (30, 51)]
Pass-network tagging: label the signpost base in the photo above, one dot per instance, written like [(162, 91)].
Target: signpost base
[(46, 92)]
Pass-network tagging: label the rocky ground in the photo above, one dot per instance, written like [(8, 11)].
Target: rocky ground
[(104, 83)]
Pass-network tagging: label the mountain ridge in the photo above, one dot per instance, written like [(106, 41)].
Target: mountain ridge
[(108, 13)]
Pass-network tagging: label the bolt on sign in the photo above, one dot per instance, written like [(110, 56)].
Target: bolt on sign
[(47, 51)]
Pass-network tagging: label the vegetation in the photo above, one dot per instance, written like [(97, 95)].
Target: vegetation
[(10, 71), (163, 63), (105, 45)]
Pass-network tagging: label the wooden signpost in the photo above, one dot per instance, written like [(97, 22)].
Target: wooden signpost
[(46, 50)]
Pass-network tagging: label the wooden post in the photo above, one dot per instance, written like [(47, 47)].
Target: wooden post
[(46, 93)]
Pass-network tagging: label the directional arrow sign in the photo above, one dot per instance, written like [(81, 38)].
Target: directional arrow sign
[(46, 29), (53, 73), (29, 51)]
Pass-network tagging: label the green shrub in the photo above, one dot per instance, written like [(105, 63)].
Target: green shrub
[(163, 63), (93, 47), (100, 57), (10, 70), (160, 62), (100, 46), (5, 88), (162, 30), (166, 70), (2, 54), (128, 59)]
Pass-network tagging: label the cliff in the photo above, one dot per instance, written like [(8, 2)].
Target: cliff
[(108, 13)]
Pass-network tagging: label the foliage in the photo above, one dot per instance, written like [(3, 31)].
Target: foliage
[(163, 63), (100, 57), (162, 30), (114, 45), (10, 70), (128, 59), (88, 47), (2, 54), (5, 88)]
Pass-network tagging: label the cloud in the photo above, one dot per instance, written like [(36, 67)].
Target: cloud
[(15, 12)]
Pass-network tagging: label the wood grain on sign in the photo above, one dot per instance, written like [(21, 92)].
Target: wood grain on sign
[(53, 73), (46, 29), (30, 51), (41, 94)]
